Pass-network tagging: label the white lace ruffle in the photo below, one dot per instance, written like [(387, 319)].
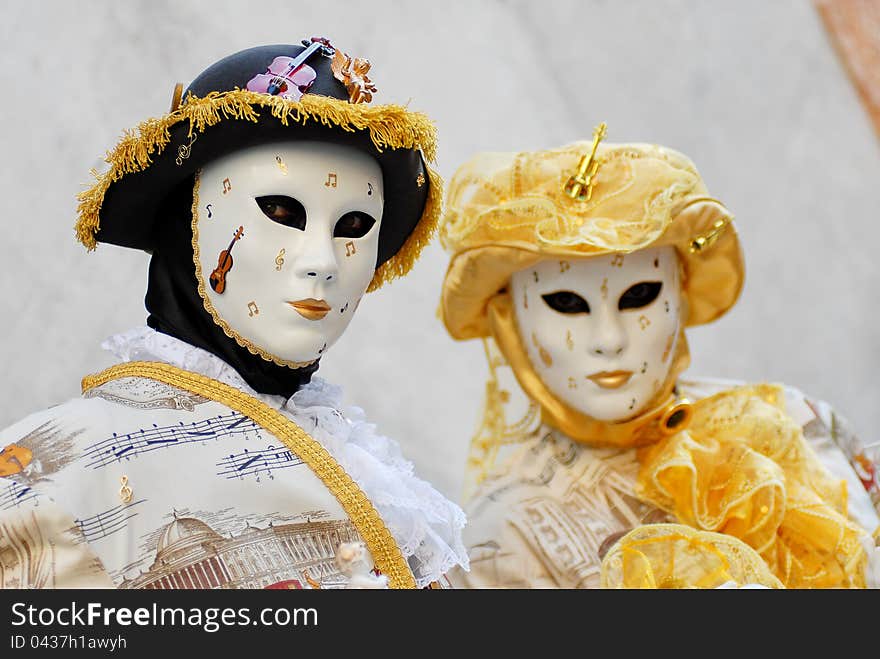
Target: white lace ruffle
[(426, 525)]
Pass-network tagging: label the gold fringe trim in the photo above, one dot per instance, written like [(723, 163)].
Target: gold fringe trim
[(390, 126), (364, 516), (494, 433), (402, 262), (209, 307)]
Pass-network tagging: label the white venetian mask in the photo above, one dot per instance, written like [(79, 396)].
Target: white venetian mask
[(301, 222), (601, 332)]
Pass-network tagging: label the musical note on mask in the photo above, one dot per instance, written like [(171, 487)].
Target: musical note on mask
[(644, 322), (617, 261), (252, 309), (667, 349), (344, 309), (227, 186), (350, 248), (210, 212), (564, 265), (279, 260), (369, 188), (331, 180), (281, 165)]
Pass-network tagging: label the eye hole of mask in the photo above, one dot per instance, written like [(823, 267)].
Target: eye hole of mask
[(640, 295), (355, 224), (284, 210), (566, 302)]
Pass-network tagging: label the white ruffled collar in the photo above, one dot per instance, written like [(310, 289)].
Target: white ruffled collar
[(426, 525)]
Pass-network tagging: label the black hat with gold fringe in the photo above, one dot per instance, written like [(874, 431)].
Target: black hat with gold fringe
[(265, 94)]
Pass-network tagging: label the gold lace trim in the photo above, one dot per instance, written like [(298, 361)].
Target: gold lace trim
[(677, 556), (387, 555)]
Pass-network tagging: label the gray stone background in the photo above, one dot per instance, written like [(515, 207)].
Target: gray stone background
[(751, 90)]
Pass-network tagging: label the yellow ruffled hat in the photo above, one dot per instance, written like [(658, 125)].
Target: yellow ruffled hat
[(507, 211)]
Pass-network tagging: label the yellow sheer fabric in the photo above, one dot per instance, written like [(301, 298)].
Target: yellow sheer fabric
[(500, 192), (676, 556), (743, 469)]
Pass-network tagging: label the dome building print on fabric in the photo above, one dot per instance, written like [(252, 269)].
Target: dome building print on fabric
[(192, 554)]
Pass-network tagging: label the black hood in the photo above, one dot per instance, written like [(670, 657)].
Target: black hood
[(176, 308)]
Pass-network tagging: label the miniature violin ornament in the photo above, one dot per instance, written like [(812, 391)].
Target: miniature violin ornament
[(290, 77), (224, 265)]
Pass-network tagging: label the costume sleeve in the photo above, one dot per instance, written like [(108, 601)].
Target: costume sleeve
[(502, 553), (843, 452), (42, 547)]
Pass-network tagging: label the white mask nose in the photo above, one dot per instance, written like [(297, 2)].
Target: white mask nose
[(609, 339), (318, 263)]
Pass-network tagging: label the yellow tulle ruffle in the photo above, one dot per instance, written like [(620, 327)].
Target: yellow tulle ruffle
[(744, 469), (677, 556)]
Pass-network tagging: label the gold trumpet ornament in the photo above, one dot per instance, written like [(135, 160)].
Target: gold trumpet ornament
[(580, 185)]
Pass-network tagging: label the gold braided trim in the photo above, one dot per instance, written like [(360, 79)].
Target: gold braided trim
[(209, 306), (383, 547), (390, 126)]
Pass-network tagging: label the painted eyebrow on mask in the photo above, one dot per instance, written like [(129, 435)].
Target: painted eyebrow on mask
[(284, 210), (566, 302), (639, 295)]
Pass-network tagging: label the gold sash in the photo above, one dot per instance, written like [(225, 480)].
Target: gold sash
[(387, 555)]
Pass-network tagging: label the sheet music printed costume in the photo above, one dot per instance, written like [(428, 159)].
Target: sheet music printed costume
[(271, 197)]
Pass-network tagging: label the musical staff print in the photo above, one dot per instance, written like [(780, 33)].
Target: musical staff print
[(257, 463), (15, 494), (108, 522), (120, 447)]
